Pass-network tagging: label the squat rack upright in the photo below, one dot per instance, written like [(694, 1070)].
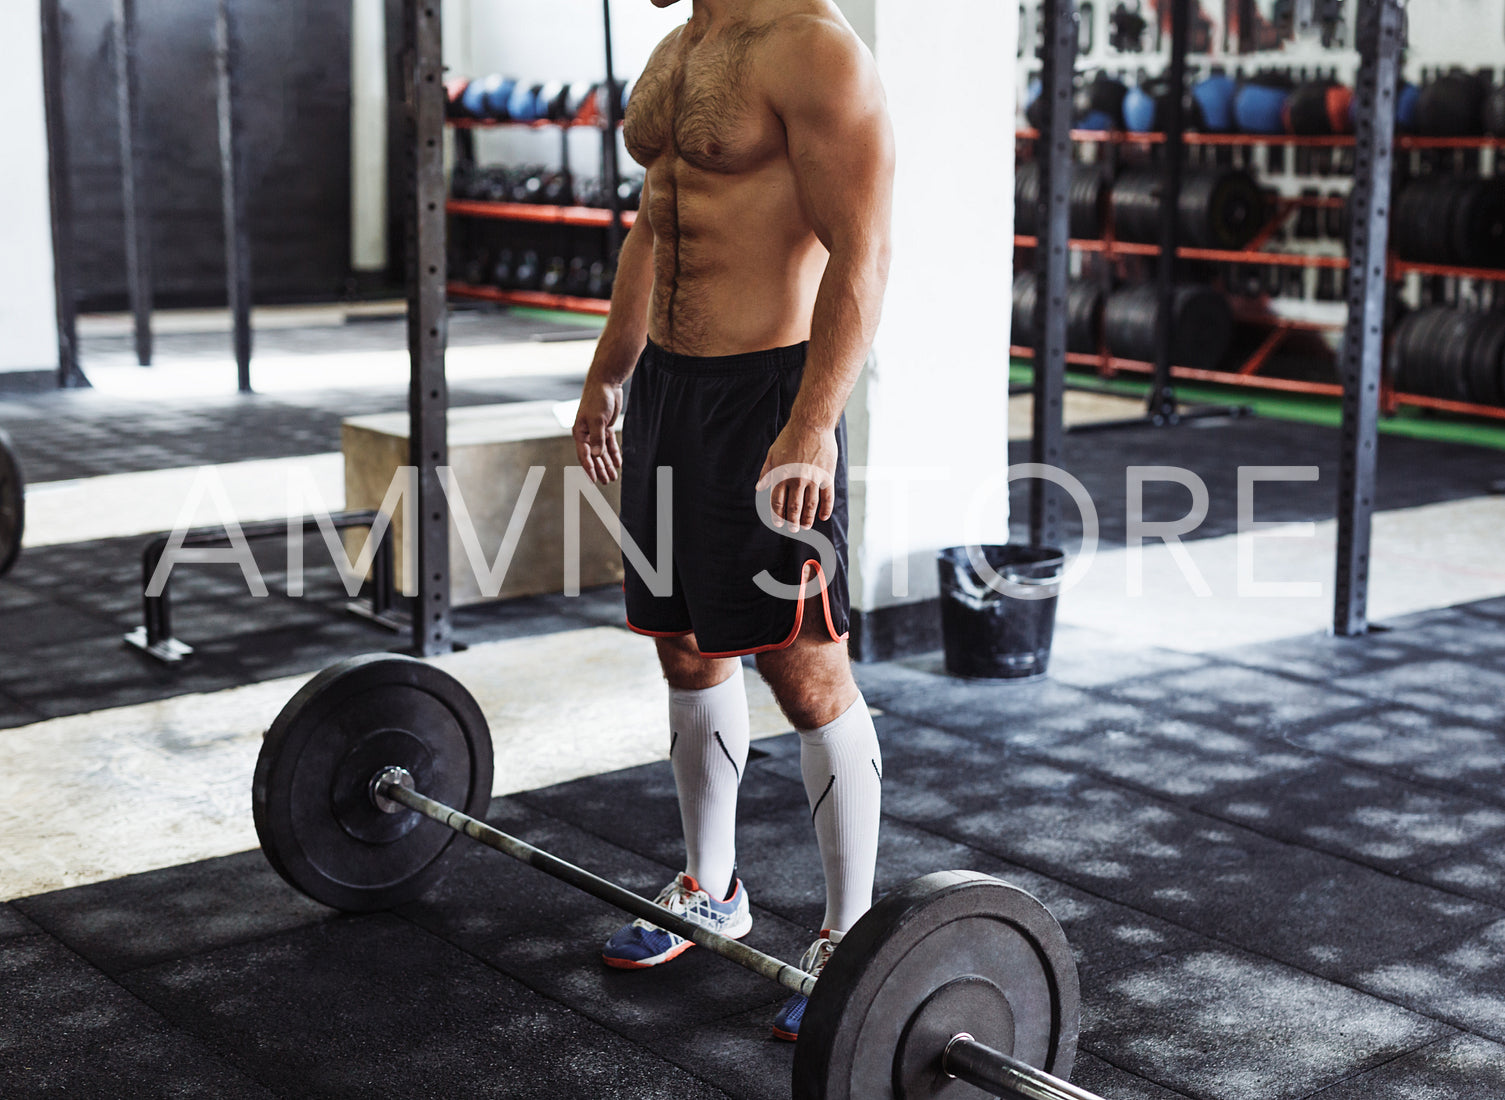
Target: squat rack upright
[(1380, 39)]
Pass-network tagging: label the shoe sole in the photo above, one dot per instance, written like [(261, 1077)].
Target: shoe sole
[(787, 1036), (668, 956)]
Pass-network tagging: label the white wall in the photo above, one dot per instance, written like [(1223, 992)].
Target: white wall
[(936, 395), (28, 310), (557, 40)]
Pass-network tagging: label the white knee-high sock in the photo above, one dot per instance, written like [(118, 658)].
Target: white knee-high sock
[(708, 748), (843, 773)]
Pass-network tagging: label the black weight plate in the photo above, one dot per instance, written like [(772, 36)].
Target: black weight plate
[(1485, 356), (311, 793), (952, 951), (1084, 316), (12, 505), (1450, 364), (1026, 198), (1023, 317), (1419, 351)]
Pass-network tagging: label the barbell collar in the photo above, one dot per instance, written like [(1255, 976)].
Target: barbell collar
[(995, 1072), (389, 787)]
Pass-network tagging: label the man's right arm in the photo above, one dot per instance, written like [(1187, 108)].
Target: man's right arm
[(622, 341)]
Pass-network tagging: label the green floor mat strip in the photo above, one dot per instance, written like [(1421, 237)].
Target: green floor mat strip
[(1313, 409)]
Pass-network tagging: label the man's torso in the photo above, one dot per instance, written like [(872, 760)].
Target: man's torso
[(736, 262)]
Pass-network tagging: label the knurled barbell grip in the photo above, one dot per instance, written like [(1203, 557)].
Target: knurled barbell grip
[(995, 1072), (769, 967)]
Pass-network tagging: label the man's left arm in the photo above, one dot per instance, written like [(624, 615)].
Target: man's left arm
[(842, 150)]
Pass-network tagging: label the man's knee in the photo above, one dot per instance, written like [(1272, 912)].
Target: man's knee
[(687, 669), (811, 679)]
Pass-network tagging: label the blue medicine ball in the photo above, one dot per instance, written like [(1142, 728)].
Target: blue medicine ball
[(1215, 98), (1139, 111), (1260, 109)]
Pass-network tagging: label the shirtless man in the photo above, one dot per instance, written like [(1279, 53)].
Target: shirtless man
[(747, 296)]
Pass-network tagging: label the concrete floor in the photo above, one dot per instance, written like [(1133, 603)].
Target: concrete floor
[(1277, 854)]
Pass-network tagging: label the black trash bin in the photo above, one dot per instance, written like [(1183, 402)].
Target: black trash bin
[(1000, 630)]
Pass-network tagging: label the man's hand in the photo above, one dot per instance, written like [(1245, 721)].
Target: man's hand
[(595, 442), (805, 460)]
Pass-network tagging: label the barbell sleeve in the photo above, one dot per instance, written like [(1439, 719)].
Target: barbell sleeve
[(789, 977), (996, 1073)]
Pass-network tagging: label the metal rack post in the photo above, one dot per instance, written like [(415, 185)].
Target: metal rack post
[(1161, 408), (138, 253), (61, 193), (609, 173), (428, 395), (233, 191), (1052, 262), (1380, 35)]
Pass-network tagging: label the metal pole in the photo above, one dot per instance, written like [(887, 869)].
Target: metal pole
[(233, 192), (138, 253), (1380, 41), (1052, 262), (61, 191), (428, 325), (996, 1072), (1162, 401), (609, 170), (389, 786)]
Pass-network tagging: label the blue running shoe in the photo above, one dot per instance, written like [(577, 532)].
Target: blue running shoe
[(641, 944), (786, 1025)]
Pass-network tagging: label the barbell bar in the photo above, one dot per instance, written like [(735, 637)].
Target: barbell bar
[(954, 983)]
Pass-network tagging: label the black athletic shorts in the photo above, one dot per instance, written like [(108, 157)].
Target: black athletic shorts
[(711, 421)]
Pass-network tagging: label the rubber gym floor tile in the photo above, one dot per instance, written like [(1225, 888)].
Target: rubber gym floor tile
[(99, 672), (1461, 981), (1224, 1025), (1081, 657), (1450, 687), (69, 1031), (1311, 909), (13, 924), (1460, 1067), (1321, 657), (373, 1005), (1477, 872), (1179, 759), (639, 809), (145, 919), (918, 688), (1237, 698), (1371, 818), (549, 936), (1107, 1080), (738, 1053), (1419, 745)]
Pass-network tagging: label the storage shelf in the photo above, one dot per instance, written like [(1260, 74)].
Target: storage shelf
[(1406, 142), (1215, 255), (1391, 400), (1284, 259), (588, 216), (535, 299)]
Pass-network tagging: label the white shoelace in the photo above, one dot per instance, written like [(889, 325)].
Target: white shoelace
[(814, 960), (675, 898)]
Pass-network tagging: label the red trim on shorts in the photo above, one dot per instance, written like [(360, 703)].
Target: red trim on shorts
[(799, 616)]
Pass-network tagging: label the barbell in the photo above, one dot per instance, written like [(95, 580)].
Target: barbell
[(954, 983), (12, 505)]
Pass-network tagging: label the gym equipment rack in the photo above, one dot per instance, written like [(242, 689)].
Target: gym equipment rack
[(613, 218), (1379, 40), (1247, 373)]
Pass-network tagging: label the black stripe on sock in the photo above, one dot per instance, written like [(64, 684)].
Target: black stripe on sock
[(821, 799), (673, 740), (876, 772), (735, 770)]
